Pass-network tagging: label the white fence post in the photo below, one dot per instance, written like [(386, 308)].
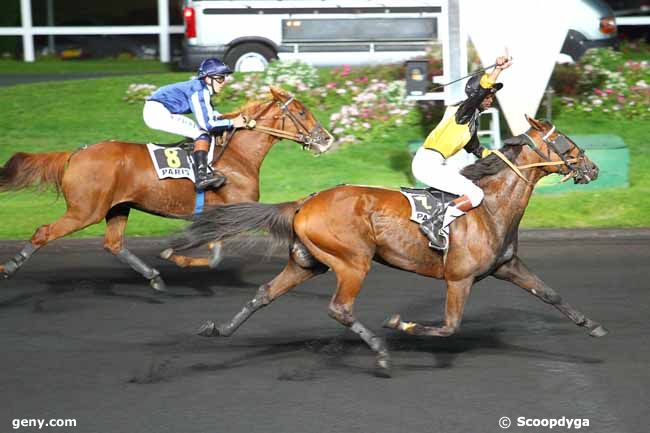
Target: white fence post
[(163, 29), (28, 36)]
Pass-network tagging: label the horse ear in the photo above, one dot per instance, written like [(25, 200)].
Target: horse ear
[(278, 92), (534, 123)]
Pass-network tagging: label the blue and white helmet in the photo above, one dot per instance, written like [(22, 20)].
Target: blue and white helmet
[(213, 66)]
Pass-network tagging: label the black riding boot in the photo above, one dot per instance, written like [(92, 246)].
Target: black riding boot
[(205, 179), (432, 228)]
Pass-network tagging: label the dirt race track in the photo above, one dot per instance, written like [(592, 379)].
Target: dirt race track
[(84, 338)]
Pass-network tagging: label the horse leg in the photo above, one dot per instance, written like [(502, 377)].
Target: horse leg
[(457, 293), (516, 272), (116, 220), (290, 277), (11, 266), (349, 281), (73, 220), (212, 261)]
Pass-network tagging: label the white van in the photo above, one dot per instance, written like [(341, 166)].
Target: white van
[(247, 34)]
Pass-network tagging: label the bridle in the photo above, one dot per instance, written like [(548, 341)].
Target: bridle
[(304, 136), (561, 146)]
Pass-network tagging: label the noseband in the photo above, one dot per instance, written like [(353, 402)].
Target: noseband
[(560, 146)]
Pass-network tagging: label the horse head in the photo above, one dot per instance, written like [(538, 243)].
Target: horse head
[(286, 117), (554, 152)]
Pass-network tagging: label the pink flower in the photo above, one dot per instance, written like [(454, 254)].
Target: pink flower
[(609, 91), (599, 92), (346, 70), (620, 98), (331, 85)]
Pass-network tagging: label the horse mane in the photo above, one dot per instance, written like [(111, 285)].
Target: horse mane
[(491, 164)]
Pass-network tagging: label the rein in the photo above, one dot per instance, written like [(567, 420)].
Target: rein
[(552, 145), (300, 137), (251, 124)]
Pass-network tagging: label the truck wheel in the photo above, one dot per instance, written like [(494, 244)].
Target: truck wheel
[(250, 57)]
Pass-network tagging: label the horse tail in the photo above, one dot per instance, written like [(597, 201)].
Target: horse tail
[(228, 221), (28, 169)]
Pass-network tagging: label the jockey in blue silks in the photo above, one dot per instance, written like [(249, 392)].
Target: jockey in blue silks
[(165, 109)]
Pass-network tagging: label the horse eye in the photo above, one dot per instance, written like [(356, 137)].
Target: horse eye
[(302, 113)]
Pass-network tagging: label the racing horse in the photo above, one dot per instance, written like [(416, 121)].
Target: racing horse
[(346, 227), (105, 180)]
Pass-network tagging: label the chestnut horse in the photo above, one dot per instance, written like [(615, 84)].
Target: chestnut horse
[(105, 180), (346, 227)]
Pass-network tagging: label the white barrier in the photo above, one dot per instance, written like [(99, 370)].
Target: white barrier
[(28, 31)]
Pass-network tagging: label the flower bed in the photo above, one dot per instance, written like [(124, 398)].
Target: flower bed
[(361, 103), (603, 82)]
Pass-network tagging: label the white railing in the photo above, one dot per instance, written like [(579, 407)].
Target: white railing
[(28, 31)]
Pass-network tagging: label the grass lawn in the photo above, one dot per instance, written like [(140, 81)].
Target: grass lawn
[(64, 115), (57, 66)]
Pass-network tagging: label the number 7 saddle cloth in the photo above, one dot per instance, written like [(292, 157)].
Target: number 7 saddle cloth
[(175, 161), (424, 200)]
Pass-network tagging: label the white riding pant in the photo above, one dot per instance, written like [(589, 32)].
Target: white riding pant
[(429, 167), (157, 116)]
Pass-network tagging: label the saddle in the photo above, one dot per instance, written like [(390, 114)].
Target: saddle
[(174, 160), (424, 201), (187, 144)]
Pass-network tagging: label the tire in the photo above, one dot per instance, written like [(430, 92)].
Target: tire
[(250, 57)]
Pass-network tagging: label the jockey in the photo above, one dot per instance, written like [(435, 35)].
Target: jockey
[(165, 108), (457, 130)]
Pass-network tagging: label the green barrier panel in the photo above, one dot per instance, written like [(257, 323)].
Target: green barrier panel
[(608, 152)]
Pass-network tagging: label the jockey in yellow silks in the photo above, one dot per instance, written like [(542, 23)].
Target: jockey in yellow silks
[(457, 130)]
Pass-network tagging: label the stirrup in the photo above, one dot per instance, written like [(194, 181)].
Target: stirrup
[(440, 243), (437, 237), (214, 181)]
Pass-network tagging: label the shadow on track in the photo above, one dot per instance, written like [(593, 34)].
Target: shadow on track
[(306, 359), (183, 284)]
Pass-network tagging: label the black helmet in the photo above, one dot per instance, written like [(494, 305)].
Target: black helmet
[(213, 66), (475, 82)]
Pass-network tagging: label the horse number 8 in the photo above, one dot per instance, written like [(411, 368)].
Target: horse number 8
[(172, 158)]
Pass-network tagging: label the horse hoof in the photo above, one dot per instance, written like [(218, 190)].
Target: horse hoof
[(392, 322), (165, 255), (8, 269), (208, 329), (158, 284), (599, 331), (382, 368)]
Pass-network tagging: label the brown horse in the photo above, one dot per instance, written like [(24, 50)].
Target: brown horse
[(105, 180), (346, 227)]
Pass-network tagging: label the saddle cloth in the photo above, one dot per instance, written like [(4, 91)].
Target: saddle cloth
[(424, 200), (174, 162)]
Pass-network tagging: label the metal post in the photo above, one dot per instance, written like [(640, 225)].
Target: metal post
[(50, 22), (457, 50), (28, 36), (163, 27)]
